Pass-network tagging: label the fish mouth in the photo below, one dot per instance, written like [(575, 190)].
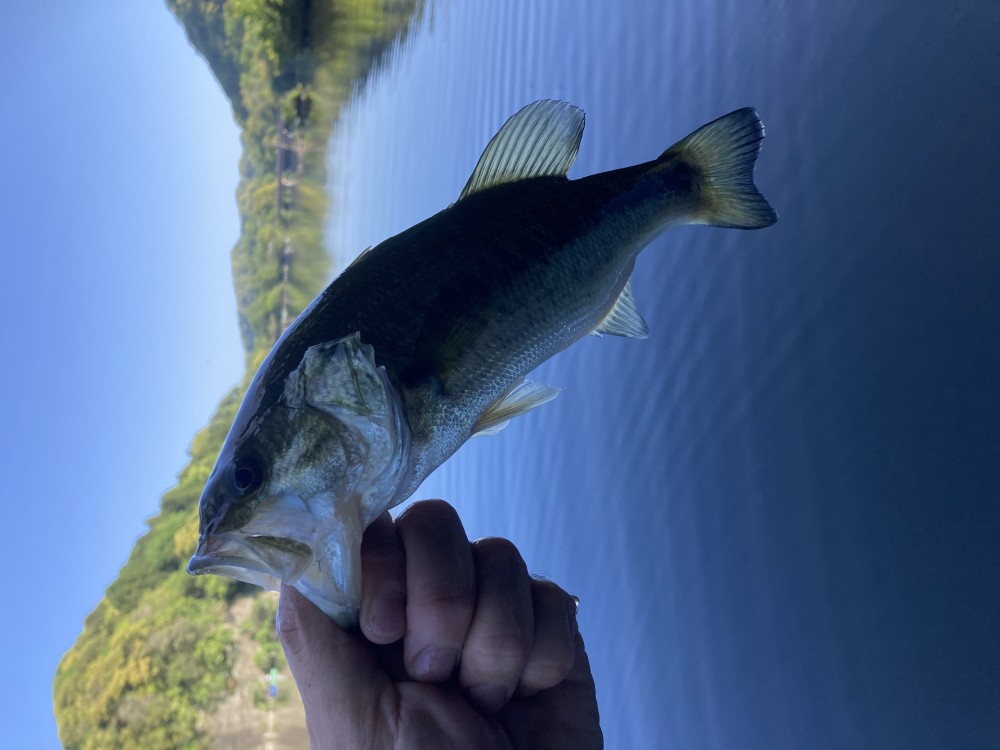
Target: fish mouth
[(264, 561)]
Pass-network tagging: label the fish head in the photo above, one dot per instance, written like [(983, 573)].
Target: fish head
[(299, 478)]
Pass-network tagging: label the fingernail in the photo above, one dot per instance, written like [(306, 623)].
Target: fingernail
[(435, 663), (388, 618), (488, 698)]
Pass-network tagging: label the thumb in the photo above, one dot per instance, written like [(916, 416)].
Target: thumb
[(337, 673)]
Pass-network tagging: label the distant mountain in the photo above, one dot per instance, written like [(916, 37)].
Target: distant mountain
[(167, 660)]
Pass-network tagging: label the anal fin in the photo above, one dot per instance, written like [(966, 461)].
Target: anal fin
[(520, 400), (623, 319)]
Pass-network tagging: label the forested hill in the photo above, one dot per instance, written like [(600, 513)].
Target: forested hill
[(167, 660)]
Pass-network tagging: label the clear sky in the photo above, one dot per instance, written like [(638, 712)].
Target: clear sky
[(117, 215)]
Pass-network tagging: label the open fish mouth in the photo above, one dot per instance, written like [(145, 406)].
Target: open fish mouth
[(264, 561)]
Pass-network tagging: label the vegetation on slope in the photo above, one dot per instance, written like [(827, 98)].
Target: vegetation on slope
[(156, 653)]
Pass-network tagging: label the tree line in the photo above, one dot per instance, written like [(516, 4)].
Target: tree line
[(156, 653)]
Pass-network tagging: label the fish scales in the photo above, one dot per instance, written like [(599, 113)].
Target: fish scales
[(426, 340)]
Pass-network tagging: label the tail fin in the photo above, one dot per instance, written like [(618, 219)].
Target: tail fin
[(723, 154)]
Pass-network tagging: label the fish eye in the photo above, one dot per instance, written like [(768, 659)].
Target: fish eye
[(248, 475)]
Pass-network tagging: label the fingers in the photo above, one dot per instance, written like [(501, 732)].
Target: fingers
[(335, 671), (440, 589), (564, 716), (502, 630), (456, 604), (383, 582), (553, 651)]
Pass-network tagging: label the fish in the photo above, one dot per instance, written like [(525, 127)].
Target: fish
[(426, 340)]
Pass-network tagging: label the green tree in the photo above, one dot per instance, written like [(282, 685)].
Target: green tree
[(156, 654)]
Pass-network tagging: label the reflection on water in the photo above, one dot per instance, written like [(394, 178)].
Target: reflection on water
[(774, 510)]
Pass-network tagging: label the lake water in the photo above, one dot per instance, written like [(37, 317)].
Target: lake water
[(781, 512)]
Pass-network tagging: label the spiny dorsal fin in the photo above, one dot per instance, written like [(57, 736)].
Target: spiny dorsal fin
[(540, 140), (360, 255), (520, 400), (624, 318)]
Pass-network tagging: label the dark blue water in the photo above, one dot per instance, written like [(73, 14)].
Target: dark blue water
[(781, 512)]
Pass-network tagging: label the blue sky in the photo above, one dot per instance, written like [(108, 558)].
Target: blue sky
[(117, 215)]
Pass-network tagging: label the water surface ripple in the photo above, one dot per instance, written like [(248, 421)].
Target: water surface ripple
[(781, 511)]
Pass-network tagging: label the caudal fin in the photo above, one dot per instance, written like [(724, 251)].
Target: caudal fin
[(722, 154)]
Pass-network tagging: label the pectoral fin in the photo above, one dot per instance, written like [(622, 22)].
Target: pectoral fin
[(520, 400)]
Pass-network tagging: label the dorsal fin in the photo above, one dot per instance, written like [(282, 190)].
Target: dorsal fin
[(360, 255), (520, 400), (624, 319), (540, 140)]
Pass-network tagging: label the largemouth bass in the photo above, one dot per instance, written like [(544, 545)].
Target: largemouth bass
[(426, 339)]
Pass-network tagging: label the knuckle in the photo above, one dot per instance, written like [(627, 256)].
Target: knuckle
[(545, 589), (426, 511), (500, 552), (549, 669), (498, 653), (380, 540), (561, 660), (509, 645), (549, 597), (381, 549), (444, 595)]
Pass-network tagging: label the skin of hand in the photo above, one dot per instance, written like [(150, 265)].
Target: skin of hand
[(458, 648)]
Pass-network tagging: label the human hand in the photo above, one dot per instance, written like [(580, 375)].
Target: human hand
[(459, 648)]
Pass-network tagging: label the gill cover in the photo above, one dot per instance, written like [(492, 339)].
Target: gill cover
[(341, 380), (338, 447)]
